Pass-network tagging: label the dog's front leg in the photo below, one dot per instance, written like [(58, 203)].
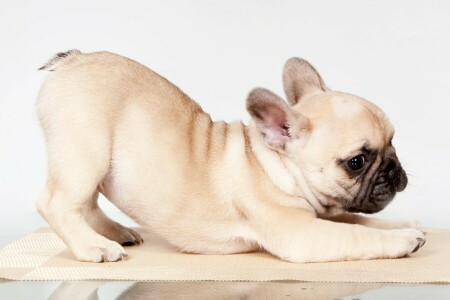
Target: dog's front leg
[(373, 222), (299, 236)]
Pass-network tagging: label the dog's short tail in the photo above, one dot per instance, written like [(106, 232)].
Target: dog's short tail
[(59, 58)]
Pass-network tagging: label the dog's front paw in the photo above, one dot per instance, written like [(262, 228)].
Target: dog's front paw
[(410, 224), (110, 251), (405, 242), (400, 224)]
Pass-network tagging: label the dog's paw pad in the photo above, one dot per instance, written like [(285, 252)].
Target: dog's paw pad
[(124, 236)]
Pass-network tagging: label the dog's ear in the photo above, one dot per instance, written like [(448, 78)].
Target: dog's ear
[(301, 79), (274, 118)]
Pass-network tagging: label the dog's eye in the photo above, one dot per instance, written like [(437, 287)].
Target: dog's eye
[(356, 163)]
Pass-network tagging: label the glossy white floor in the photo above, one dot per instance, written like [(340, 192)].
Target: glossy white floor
[(218, 290)]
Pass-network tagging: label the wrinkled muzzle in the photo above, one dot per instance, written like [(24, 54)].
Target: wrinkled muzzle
[(390, 179)]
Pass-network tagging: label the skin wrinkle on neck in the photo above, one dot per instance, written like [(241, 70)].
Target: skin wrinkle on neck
[(302, 185), (283, 172)]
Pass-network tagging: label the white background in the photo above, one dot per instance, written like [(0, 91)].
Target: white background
[(394, 53)]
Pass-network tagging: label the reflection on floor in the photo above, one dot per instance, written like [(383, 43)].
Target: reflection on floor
[(218, 290)]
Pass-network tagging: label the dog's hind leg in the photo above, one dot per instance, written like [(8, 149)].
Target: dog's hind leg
[(78, 159), (65, 208), (110, 229)]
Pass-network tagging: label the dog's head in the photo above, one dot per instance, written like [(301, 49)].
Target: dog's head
[(341, 143)]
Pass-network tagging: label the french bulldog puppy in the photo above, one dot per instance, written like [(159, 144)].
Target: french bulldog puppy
[(288, 183)]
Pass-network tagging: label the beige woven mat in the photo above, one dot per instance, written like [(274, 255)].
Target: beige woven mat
[(43, 256)]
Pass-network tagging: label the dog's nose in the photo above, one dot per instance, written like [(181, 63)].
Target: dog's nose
[(391, 167), (403, 180), (396, 174)]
